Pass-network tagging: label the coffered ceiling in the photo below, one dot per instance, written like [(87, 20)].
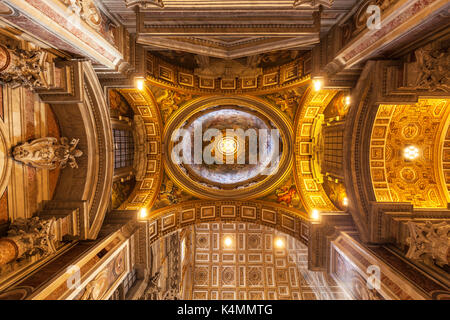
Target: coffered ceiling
[(228, 28)]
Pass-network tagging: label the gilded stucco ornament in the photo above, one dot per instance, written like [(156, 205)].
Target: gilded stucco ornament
[(47, 153)]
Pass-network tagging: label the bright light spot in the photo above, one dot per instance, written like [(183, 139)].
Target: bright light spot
[(227, 145), (345, 201), (348, 100), (143, 213), (315, 214), (411, 152), (228, 242), (279, 243), (317, 84), (140, 84)]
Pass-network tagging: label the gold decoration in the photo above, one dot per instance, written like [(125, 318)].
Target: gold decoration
[(400, 177)]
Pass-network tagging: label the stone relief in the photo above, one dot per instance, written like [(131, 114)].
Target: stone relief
[(29, 237), (20, 67), (358, 22), (153, 290), (429, 242), (96, 288), (86, 10), (228, 69), (433, 66), (47, 153)]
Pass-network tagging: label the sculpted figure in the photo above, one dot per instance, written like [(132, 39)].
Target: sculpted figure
[(433, 66), (429, 242), (19, 67), (47, 153)]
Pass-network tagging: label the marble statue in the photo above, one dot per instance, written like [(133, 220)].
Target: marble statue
[(47, 153)]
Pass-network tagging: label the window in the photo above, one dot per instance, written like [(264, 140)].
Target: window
[(123, 148), (333, 143), (129, 280)]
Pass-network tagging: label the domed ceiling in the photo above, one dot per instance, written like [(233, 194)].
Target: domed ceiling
[(228, 147)]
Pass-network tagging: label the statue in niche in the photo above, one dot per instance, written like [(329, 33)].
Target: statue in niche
[(47, 153), (429, 242)]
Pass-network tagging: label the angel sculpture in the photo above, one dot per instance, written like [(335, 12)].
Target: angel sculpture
[(47, 153)]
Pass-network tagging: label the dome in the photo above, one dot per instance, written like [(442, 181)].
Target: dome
[(227, 147)]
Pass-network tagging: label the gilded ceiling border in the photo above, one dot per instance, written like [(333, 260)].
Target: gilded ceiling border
[(312, 194), (144, 104), (260, 189), (169, 219), (165, 75)]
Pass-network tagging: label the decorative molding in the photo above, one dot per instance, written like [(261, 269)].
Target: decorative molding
[(312, 3), (144, 4), (188, 81), (288, 220)]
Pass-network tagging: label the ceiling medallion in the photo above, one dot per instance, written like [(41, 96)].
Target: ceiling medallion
[(144, 4), (313, 3), (228, 148)]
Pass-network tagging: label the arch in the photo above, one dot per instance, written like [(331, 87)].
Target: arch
[(144, 106), (82, 113), (370, 92), (311, 192), (175, 217)]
